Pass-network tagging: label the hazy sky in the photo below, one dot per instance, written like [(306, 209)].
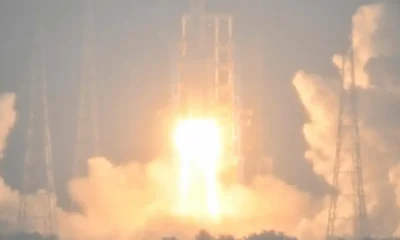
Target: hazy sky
[(132, 40)]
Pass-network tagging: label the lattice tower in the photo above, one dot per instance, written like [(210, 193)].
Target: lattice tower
[(38, 212), (347, 211)]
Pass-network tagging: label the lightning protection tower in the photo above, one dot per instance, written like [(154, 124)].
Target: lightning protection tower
[(87, 141), (347, 211), (37, 210)]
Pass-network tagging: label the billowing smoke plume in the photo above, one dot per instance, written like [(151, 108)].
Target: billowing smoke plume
[(376, 38), (8, 198), (8, 117), (137, 200)]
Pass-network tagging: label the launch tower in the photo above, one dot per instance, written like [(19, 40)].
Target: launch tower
[(206, 85)]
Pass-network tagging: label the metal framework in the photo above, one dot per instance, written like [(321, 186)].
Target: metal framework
[(87, 139), (207, 62), (347, 176), (212, 41), (38, 153)]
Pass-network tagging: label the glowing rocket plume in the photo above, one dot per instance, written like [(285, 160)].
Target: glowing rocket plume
[(198, 142)]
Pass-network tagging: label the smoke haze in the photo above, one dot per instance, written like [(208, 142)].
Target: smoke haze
[(373, 32), (137, 199)]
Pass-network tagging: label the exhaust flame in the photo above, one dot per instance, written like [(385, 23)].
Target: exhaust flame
[(199, 146)]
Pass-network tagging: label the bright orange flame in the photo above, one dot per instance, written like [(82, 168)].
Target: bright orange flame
[(199, 144)]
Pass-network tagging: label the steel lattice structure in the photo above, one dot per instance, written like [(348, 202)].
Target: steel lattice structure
[(87, 139), (38, 154), (207, 75), (347, 175), (87, 126)]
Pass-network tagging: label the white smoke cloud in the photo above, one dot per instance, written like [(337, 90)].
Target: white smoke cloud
[(373, 34), (138, 200), (134, 200), (8, 117), (8, 197)]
